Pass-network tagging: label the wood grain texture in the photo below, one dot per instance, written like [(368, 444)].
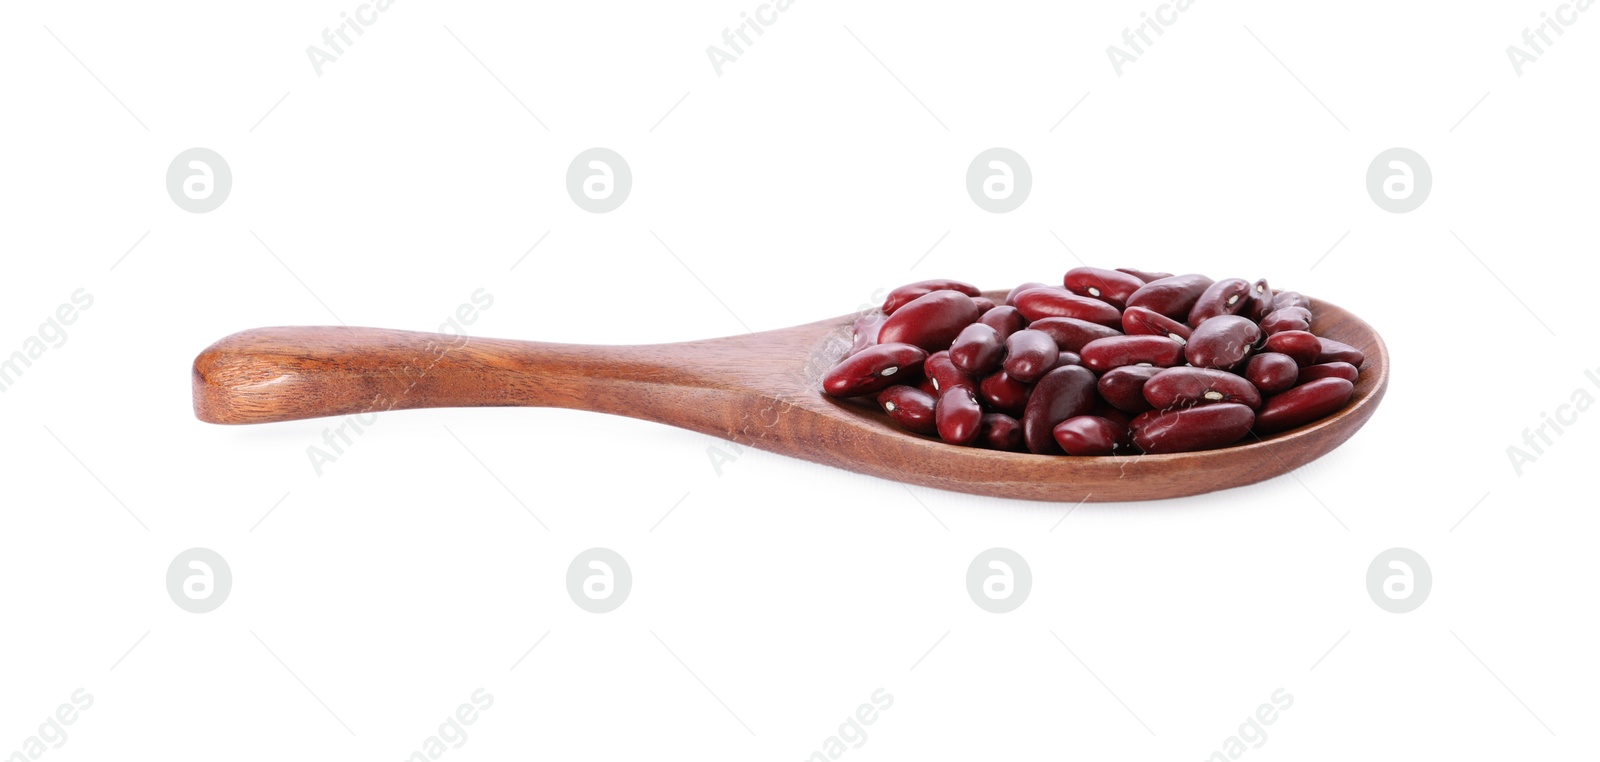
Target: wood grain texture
[(760, 390)]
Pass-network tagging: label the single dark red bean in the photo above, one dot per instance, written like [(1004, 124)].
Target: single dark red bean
[(1110, 286), (1229, 296), (1290, 299), (930, 321), (1286, 319), (1338, 351), (865, 332), (1186, 387), (1063, 393), (1001, 432), (910, 407), (1303, 404), (1102, 355), (1272, 372), (1053, 301), (1071, 333), (1173, 297), (943, 373), (904, 295), (958, 415), (1142, 275), (1260, 302), (1187, 429), (1005, 394), (1005, 320), (1342, 370), (1139, 321), (1092, 435), (977, 350), (1030, 354), (1303, 346), (1222, 342), (1011, 296), (874, 369), (1123, 388)]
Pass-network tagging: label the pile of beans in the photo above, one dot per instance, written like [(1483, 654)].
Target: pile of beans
[(1111, 362)]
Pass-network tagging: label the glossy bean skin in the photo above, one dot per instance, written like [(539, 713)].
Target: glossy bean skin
[(1052, 301), (910, 407), (1005, 320), (943, 373), (957, 415), (1229, 296), (1186, 387), (1001, 432), (1290, 299), (984, 303), (1204, 427), (874, 369), (1139, 321), (1030, 354), (1123, 388), (1302, 346), (930, 321), (1092, 435), (1071, 334), (904, 295), (1173, 297), (1110, 286), (1286, 319), (1222, 342), (1260, 302), (865, 332), (1063, 393), (1272, 372), (1338, 351), (977, 350), (1011, 296), (1147, 277), (1102, 355), (1303, 404), (1004, 393), (1342, 370)]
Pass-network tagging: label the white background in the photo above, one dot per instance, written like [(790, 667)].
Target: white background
[(777, 596)]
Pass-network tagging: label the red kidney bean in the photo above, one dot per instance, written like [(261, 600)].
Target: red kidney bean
[(1188, 429), (1142, 275), (1290, 299), (1092, 435), (1303, 404), (1186, 387), (984, 303), (1123, 388), (1004, 393), (1030, 354), (1102, 355), (1272, 372), (1005, 320), (930, 321), (1338, 351), (1110, 286), (1173, 297), (1001, 432), (910, 407), (1342, 370), (1063, 393), (977, 350), (1011, 296), (1260, 302), (1067, 358), (1138, 321), (1222, 342), (1303, 346), (1229, 296), (904, 295), (943, 373), (1071, 333), (926, 384), (874, 369), (1286, 319), (865, 332), (1053, 301), (958, 415)]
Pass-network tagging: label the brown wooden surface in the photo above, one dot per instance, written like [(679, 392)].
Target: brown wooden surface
[(759, 389)]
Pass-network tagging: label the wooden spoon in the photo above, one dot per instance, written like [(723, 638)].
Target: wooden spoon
[(760, 389)]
